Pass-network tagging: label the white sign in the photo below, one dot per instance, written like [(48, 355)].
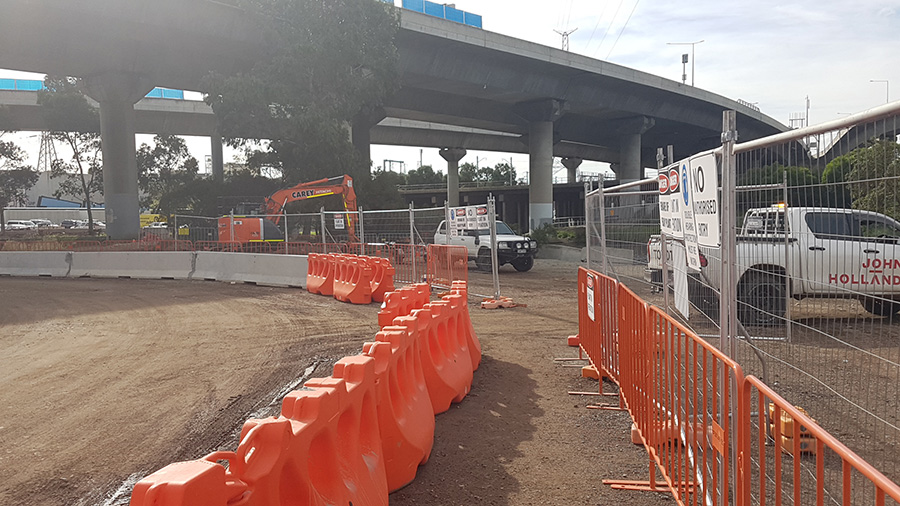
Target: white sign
[(590, 295), (691, 246), (682, 299), (705, 196), (339, 222), (665, 204), (676, 225), (468, 218)]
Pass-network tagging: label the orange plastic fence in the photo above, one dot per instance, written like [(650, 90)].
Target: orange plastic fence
[(447, 264), (680, 390), (352, 279), (320, 274), (402, 301), (382, 277), (776, 472), (346, 439)]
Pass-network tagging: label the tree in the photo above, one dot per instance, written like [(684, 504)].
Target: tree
[(836, 178), (425, 175), (801, 181), (64, 105), (500, 173), (382, 191), (468, 173), (876, 177), (324, 63), (15, 177), (164, 173)]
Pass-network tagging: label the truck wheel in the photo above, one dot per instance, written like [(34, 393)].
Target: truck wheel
[(880, 307), (761, 299), (523, 264), (704, 298), (483, 260)]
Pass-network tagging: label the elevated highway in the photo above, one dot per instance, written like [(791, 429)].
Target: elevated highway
[(493, 91)]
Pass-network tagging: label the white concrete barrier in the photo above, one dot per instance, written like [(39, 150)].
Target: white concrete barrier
[(132, 264), (263, 269), (35, 263)]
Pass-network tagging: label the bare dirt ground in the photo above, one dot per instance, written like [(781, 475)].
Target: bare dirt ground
[(105, 381)]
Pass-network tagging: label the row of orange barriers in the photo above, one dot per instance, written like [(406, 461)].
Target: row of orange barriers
[(447, 264), (350, 278), (402, 302), (350, 438), (707, 428)]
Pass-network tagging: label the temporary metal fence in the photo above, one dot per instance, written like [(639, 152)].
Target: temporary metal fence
[(812, 220), (716, 436)]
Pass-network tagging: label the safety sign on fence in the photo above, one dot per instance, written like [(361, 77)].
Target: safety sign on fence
[(468, 218), (339, 222), (689, 204)]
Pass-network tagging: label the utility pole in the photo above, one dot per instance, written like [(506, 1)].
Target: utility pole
[(565, 38)]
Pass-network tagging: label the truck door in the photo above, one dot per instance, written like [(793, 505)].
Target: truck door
[(880, 253), (832, 259)]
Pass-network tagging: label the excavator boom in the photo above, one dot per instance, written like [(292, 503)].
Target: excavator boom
[(341, 185)]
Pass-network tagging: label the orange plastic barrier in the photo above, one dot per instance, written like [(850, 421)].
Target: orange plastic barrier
[(405, 414), (349, 438), (352, 280), (460, 289), (446, 362), (402, 301), (320, 274), (382, 277)]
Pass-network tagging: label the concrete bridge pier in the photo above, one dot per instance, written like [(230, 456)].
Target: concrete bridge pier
[(117, 92), (541, 115), (453, 156), (630, 167), (571, 164), (361, 133)]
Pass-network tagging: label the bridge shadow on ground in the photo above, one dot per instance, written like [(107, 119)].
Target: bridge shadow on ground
[(476, 440)]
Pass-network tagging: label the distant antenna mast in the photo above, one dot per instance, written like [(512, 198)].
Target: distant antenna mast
[(565, 38), (47, 153)]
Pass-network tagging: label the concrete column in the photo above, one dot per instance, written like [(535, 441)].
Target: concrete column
[(453, 156), (360, 133), (571, 164), (218, 162), (540, 115), (117, 92), (630, 130), (540, 160)]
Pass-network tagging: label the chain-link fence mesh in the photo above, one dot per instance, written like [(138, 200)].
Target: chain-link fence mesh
[(818, 272)]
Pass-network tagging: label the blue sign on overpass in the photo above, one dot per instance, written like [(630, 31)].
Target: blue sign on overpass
[(441, 11), (35, 85)]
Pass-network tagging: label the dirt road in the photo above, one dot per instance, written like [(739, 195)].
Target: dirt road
[(102, 380)]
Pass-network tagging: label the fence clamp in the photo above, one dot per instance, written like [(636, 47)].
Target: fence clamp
[(730, 136)]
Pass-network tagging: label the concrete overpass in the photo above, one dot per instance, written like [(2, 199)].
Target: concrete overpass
[(549, 101)]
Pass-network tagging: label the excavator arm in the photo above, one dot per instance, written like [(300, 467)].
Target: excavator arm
[(340, 185)]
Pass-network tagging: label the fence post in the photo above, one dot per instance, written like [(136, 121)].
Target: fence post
[(663, 242), (362, 231), (447, 223), (286, 229), (728, 290), (603, 258), (322, 218), (176, 232), (587, 225), (412, 238), (787, 262), (492, 215)]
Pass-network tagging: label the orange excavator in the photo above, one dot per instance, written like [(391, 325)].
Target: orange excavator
[(251, 229)]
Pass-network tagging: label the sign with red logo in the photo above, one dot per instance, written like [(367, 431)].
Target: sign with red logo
[(590, 296), (663, 184)]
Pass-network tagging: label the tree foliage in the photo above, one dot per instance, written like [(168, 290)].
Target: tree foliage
[(500, 173), (875, 174), (802, 187), (64, 105), (324, 62), (165, 173), (835, 178), (15, 177), (425, 175)]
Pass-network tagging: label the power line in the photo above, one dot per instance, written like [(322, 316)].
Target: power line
[(608, 28), (594, 31), (623, 28)]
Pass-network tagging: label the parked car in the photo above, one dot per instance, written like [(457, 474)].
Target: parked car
[(511, 248), (20, 225), (68, 223), (42, 223), (158, 224)]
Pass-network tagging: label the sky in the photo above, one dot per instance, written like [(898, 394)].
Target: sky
[(768, 53)]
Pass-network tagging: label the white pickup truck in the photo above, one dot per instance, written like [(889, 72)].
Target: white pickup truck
[(511, 248), (826, 253)]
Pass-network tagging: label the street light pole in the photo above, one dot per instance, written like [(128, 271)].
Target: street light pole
[(692, 44), (887, 88)]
